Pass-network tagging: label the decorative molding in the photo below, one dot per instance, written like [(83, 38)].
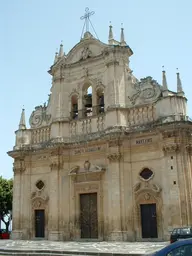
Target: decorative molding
[(114, 157), (170, 148)]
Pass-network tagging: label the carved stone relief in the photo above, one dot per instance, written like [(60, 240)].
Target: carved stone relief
[(147, 90), (39, 117), (86, 53)]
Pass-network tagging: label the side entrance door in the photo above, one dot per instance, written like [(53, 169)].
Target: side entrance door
[(148, 220), (39, 223), (88, 215)]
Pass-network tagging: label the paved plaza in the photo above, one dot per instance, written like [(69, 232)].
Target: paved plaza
[(44, 247)]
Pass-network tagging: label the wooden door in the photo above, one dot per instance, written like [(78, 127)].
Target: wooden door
[(88, 215), (148, 220), (39, 223)]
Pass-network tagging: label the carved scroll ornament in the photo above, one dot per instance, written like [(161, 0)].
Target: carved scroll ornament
[(39, 116)]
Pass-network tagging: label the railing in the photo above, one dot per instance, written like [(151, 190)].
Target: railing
[(87, 112)]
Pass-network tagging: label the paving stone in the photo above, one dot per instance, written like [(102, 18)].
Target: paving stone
[(45, 247)]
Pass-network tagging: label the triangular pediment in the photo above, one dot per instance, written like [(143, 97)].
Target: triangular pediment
[(85, 49)]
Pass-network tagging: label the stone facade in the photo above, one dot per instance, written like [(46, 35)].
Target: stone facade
[(128, 142)]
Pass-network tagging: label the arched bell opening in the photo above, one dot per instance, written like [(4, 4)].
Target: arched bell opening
[(74, 107), (100, 100), (88, 105)]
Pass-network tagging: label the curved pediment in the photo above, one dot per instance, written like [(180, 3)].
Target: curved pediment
[(86, 48)]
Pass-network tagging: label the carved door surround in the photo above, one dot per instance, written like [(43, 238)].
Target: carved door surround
[(146, 193)]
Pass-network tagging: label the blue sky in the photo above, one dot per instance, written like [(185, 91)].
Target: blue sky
[(159, 33)]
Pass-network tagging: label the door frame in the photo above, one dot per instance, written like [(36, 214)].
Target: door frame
[(87, 188)]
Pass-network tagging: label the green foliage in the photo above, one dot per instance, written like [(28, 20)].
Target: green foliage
[(6, 197)]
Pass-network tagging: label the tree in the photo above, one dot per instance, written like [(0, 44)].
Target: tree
[(6, 196)]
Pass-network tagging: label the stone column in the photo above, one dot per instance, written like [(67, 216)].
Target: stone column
[(16, 212), (54, 205), (115, 228)]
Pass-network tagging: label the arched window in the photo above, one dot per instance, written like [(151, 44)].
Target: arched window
[(100, 100), (88, 108), (74, 107)]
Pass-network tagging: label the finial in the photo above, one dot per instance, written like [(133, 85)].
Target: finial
[(56, 57), (164, 80), (22, 124), (179, 84), (61, 50), (122, 39), (110, 37)]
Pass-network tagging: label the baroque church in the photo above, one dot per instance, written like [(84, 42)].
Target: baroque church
[(108, 157)]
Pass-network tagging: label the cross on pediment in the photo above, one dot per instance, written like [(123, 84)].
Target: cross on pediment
[(86, 18)]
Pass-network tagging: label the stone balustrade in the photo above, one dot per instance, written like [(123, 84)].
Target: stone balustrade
[(40, 135)]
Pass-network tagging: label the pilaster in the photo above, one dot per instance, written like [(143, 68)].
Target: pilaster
[(18, 169), (115, 226), (54, 209)]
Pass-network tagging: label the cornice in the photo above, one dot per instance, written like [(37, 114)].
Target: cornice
[(111, 133)]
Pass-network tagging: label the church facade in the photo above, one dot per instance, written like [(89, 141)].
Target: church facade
[(108, 157)]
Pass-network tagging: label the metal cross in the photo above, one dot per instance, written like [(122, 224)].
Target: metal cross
[(86, 18)]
